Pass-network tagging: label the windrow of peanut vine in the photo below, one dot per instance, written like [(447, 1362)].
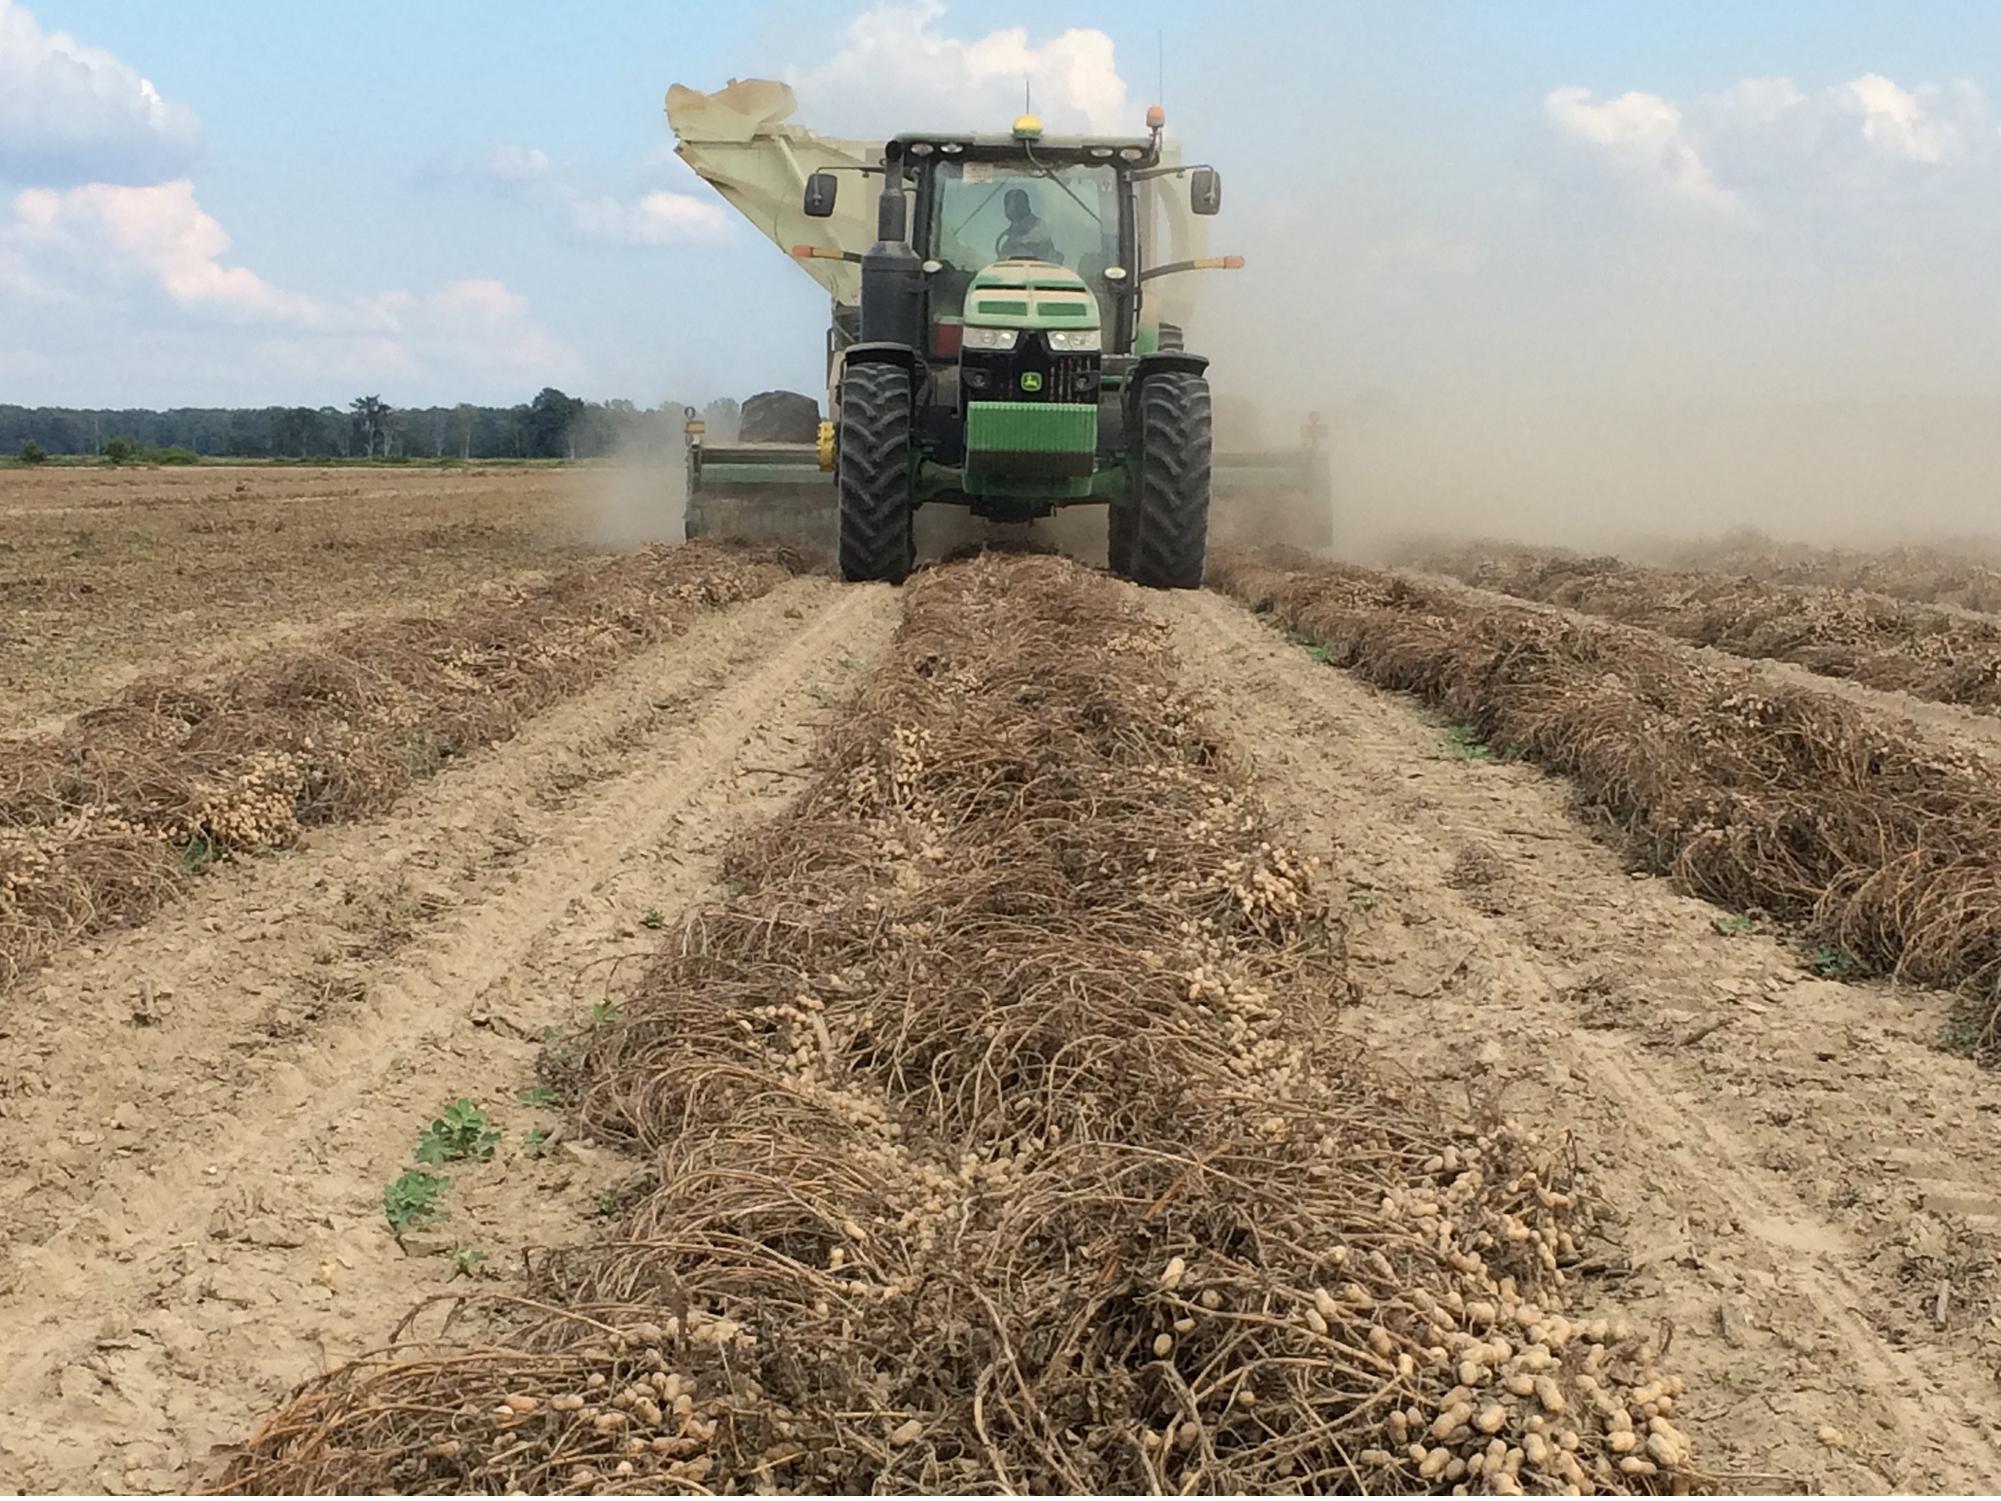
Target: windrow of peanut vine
[(999, 1136), (1950, 657), (1885, 849), (107, 820)]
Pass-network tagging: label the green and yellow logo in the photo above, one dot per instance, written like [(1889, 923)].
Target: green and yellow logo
[(1031, 380)]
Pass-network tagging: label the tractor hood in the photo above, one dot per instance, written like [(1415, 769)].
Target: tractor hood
[(1030, 294)]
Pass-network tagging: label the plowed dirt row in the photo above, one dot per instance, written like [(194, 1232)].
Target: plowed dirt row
[(1799, 1174), (200, 1116)]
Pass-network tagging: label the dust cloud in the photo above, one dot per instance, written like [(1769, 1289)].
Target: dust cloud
[(1626, 414), (636, 497)]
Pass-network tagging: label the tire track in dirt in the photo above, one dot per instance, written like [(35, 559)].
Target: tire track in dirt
[(1792, 1167), (209, 1108)]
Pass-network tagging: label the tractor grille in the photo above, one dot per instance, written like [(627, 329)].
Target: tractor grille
[(1073, 377)]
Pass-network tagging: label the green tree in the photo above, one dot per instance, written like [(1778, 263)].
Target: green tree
[(33, 452), (465, 421), (119, 450), (371, 416), (549, 417)]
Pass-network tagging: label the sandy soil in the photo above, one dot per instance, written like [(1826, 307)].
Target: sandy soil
[(197, 1118), (1795, 1175), (200, 1116), (108, 575)]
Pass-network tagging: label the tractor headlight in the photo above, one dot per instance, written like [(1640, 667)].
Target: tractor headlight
[(1074, 340), (989, 338)]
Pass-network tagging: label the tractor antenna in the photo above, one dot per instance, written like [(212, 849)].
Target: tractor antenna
[(1159, 65)]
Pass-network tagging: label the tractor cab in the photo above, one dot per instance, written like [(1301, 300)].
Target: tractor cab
[(1001, 338)]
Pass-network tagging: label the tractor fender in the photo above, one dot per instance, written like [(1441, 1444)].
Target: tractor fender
[(1168, 359), (881, 354)]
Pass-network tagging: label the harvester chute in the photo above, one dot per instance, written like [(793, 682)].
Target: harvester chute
[(1009, 335)]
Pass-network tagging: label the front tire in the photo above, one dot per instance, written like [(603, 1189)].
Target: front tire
[(878, 540), (1171, 539), (1119, 528)]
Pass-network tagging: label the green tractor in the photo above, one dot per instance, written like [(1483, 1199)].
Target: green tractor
[(991, 348)]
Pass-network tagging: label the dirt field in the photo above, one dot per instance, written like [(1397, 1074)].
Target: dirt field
[(107, 575), (1013, 1032)]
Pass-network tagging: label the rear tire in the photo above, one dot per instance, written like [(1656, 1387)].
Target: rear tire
[(878, 543), (1171, 541)]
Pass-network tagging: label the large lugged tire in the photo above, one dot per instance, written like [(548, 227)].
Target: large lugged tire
[(1121, 522), (1171, 541), (878, 543)]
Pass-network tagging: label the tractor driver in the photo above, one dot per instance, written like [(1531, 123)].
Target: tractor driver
[(1026, 236)]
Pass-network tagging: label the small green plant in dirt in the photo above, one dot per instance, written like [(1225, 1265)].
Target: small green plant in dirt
[(460, 1133), (199, 856), (536, 1141), (653, 919), (1324, 652), (538, 1095), (465, 1259), (411, 1202), (1831, 963), (1463, 743), (1730, 924), (604, 1013), (1960, 1036), (1362, 898)]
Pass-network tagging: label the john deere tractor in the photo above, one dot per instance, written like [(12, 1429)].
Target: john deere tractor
[(992, 347)]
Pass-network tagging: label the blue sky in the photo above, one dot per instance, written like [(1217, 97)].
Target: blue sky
[(458, 200)]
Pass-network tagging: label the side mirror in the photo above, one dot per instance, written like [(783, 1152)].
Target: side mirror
[(821, 190), (1205, 191)]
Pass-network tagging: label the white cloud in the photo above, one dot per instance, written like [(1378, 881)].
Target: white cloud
[(657, 218), (909, 74), (1917, 127), (1765, 141), (152, 234), (73, 113), (1641, 136), (477, 332), (89, 242), (517, 164)]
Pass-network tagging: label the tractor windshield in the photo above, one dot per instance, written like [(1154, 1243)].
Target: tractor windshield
[(987, 211)]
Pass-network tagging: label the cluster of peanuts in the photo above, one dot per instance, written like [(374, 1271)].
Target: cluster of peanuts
[(257, 810), (1272, 887), (655, 1423)]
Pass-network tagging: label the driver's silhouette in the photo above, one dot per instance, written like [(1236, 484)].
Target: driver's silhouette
[(1025, 235)]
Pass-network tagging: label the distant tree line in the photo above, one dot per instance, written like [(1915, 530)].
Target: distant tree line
[(554, 425)]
